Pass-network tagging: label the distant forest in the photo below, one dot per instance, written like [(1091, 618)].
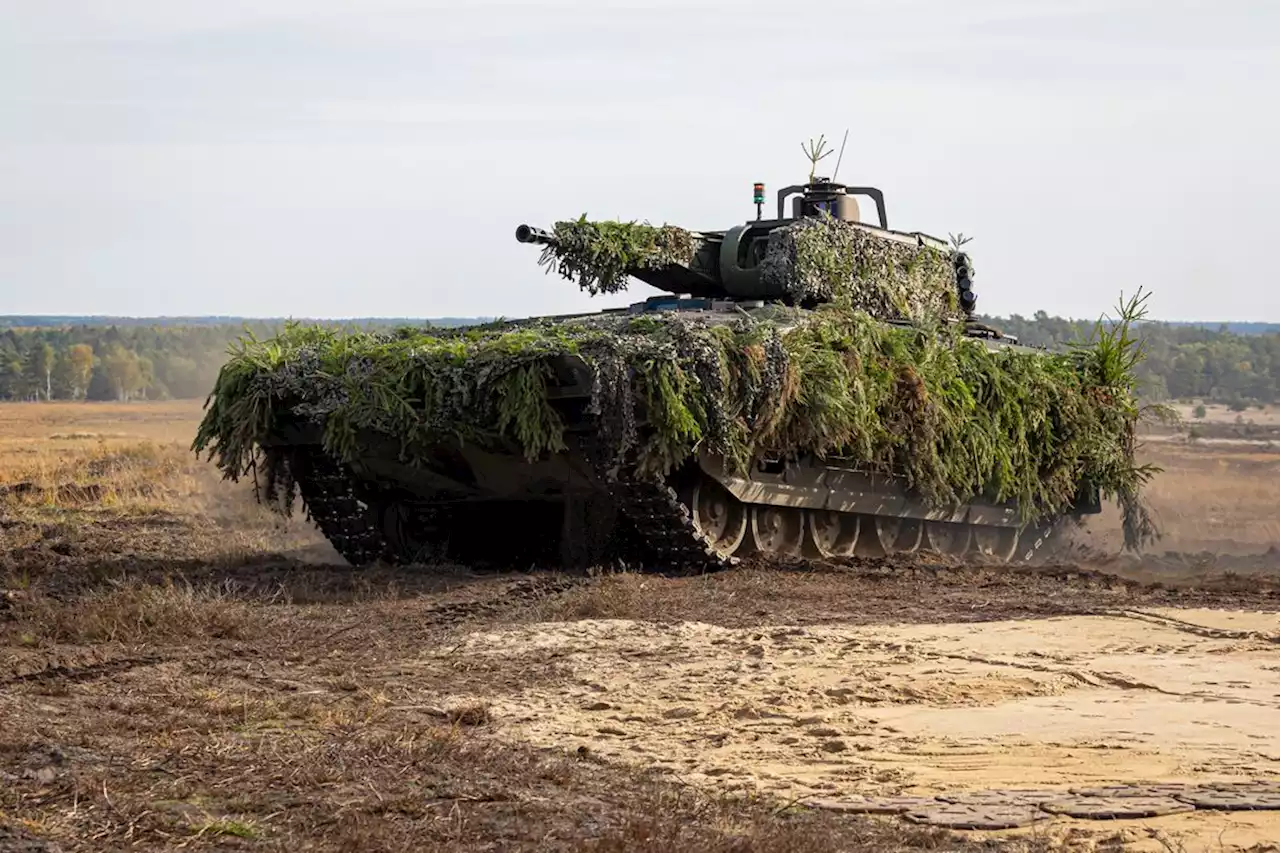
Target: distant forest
[(119, 358)]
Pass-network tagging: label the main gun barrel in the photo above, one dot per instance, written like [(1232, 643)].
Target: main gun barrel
[(529, 234)]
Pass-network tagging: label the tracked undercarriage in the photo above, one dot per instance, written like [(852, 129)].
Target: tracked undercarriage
[(572, 511), (690, 523)]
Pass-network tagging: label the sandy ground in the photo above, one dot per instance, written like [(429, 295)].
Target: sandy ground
[(801, 684), (827, 711)]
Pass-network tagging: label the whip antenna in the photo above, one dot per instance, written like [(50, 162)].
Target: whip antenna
[(840, 156)]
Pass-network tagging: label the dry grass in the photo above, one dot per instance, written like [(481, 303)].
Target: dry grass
[(1219, 413), (1219, 499), (160, 422), (133, 612), (132, 456), (348, 773), (174, 675), (179, 669), (79, 480), (194, 739)]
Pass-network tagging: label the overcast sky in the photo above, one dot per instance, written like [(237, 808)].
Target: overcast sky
[(336, 158)]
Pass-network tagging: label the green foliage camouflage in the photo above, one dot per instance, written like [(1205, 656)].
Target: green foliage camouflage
[(829, 260), (815, 260), (600, 254), (954, 417)]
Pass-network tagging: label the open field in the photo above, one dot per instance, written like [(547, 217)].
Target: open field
[(181, 669), (1256, 427), (1218, 413)]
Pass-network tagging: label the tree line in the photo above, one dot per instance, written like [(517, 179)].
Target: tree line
[(1183, 361), (158, 361), (114, 362)]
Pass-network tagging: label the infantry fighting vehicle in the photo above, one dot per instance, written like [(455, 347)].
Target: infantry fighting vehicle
[(479, 505)]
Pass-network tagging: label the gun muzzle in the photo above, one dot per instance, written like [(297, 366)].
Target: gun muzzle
[(529, 234)]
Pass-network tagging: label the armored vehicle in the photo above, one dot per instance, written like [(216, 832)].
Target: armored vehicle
[(379, 492)]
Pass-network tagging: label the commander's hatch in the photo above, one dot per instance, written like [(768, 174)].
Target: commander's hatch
[(823, 195)]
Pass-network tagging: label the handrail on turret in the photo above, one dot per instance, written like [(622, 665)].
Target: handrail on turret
[(821, 186)]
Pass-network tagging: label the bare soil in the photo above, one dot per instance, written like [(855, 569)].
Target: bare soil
[(180, 669)]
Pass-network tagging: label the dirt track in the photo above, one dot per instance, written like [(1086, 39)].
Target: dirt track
[(837, 713), (177, 668), (816, 687)]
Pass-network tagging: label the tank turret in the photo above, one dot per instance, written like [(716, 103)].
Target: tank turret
[(750, 261)]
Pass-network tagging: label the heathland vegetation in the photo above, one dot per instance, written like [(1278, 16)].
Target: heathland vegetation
[(184, 670), (104, 358)]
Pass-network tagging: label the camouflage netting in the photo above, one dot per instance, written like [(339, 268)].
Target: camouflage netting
[(812, 260), (828, 260), (954, 417)]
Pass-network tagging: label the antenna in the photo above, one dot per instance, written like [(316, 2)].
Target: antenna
[(840, 156)]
